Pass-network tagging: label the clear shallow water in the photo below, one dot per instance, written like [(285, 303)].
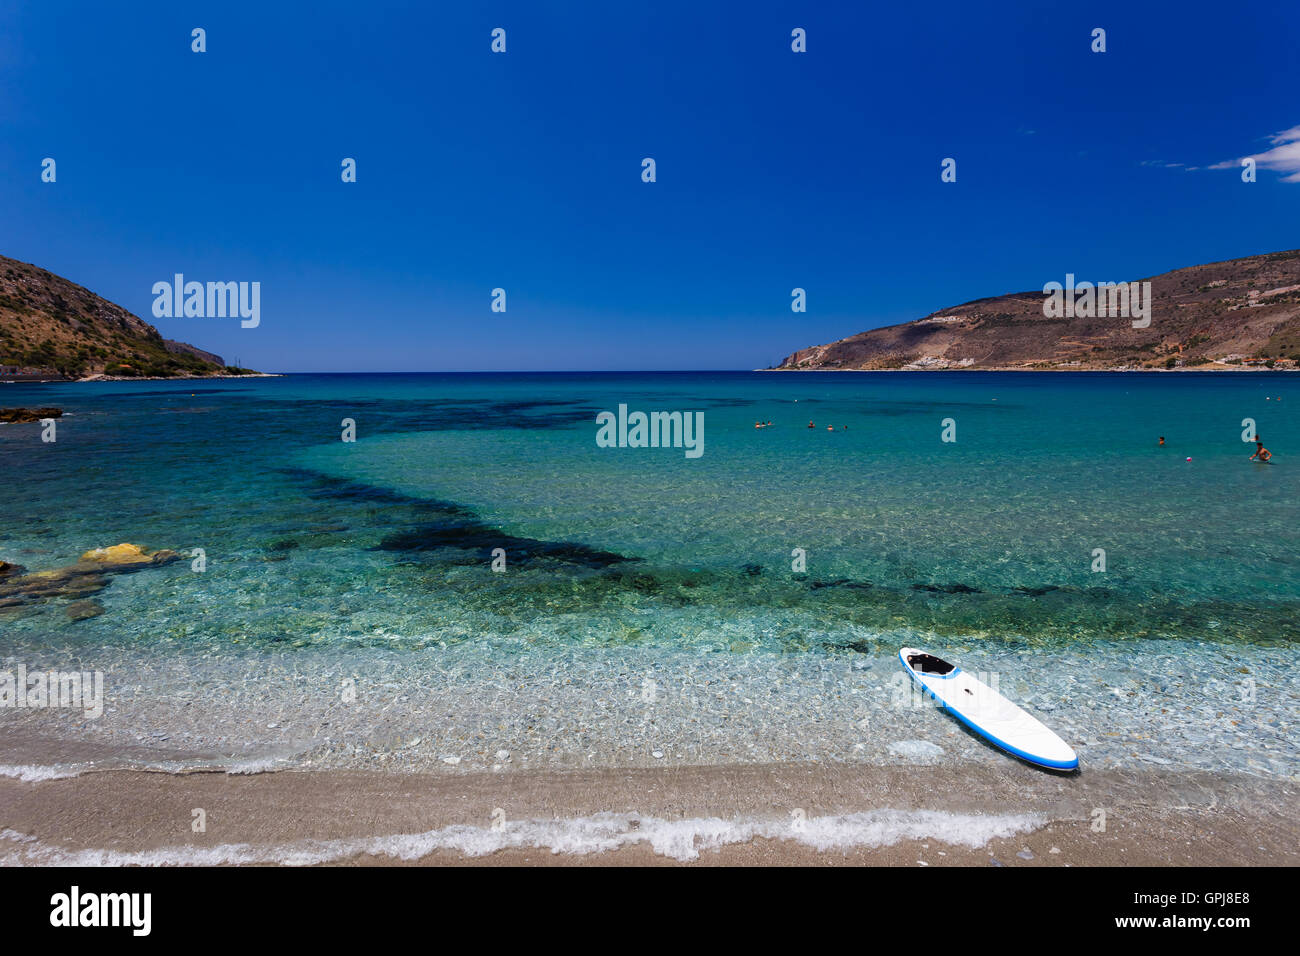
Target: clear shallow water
[(371, 559)]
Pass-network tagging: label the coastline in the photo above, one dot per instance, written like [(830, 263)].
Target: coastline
[(168, 378), (789, 814), (132, 378), (968, 368)]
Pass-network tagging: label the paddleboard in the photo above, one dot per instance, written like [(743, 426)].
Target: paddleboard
[(987, 712)]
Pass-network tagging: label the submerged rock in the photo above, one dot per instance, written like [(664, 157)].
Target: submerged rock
[(88, 576), (24, 416), (1039, 591), (73, 581), (123, 556), (81, 610), (841, 583), (947, 588)]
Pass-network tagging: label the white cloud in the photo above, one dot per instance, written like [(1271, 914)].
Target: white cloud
[(1284, 157)]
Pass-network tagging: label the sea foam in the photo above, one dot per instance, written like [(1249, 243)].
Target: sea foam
[(681, 840)]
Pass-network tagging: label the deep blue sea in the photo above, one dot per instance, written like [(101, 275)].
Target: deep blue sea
[(744, 605)]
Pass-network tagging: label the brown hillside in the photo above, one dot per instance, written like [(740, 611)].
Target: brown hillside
[(50, 326), (1239, 312)]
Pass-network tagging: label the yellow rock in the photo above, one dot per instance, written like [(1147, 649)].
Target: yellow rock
[(117, 554)]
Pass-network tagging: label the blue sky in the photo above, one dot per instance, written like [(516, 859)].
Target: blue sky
[(523, 170)]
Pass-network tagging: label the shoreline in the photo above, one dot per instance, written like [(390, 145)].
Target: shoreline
[(168, 378), (787, 814), (199, 378), (1209, 367), (133, 378)]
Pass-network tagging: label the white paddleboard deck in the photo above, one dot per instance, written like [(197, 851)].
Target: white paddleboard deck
[(987, 712)]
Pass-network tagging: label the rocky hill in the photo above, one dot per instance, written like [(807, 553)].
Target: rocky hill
[(1239, 313), (50, 327)]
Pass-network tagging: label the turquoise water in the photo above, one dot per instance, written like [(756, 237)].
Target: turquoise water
[(327, 558)]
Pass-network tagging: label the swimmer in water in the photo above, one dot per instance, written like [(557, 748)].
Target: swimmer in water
[(1261, 453), (811, 425), (1162, 439)]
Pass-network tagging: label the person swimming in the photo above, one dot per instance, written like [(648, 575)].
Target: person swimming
[(811, 425), (1261, 453), (1162, 439)]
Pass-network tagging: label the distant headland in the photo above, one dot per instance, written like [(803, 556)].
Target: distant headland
[(52, 329), (1240, 314)]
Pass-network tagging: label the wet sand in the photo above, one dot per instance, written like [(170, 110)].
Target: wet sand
[(739, 815)]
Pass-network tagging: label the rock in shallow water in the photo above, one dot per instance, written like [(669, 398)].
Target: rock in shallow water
[(81, 610), (24, 416), (126, 555), (88, 576)]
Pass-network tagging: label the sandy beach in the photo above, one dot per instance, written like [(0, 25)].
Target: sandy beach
[(1008, 815)]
